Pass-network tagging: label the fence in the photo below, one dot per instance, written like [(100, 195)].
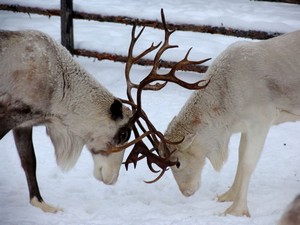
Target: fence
[(67, 15)]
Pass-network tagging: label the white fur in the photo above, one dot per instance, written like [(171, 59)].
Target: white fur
[(252, 86), (39, 73), (104, 170)]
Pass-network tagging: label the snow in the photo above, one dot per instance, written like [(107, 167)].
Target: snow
[(274, 184)]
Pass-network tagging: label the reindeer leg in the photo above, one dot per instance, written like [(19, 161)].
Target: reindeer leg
[(251, 146), (231, 193), (23, 139)]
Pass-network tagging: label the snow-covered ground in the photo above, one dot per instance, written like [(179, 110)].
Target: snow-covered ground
[(274, 184)]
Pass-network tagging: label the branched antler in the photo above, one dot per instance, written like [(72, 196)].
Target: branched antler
[(154, 136)]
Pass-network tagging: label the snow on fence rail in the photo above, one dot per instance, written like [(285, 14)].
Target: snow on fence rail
[(67, 14)]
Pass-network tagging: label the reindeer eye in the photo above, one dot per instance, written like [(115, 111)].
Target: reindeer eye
[(122, 135)]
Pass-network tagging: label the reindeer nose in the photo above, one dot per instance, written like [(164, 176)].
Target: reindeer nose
[(98, 174), (106, 179), (188, 193), (109, 181), (189, 189)]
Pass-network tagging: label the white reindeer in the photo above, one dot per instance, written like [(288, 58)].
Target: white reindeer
[(253, 85), (41, 84)]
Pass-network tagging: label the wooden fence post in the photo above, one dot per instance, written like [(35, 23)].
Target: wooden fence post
[(66, 19)]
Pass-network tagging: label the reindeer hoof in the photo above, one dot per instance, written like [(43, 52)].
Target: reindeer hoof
[(226, 197), (44, 206), (237, 211)]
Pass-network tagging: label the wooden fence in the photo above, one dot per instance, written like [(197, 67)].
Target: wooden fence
[(67, 15)]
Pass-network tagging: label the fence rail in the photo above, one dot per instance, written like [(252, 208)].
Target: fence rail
[(67, 31), (143, 62), (148, 23)]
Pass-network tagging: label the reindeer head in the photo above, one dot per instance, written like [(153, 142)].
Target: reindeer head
[(139, 122), (107, 166)]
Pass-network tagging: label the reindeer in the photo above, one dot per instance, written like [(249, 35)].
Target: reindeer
[(41, 84), (292, 214), (253, 85)]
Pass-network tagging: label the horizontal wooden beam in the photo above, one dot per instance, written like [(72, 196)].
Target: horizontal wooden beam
[(143, 62), (148, 23)]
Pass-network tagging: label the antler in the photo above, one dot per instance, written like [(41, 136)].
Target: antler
[(154, 136)]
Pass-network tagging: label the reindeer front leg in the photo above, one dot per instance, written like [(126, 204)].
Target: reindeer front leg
[(230, 195), (251, 146), (23, 139)]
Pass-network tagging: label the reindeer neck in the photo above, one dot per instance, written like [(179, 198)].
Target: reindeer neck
[(79, 96)]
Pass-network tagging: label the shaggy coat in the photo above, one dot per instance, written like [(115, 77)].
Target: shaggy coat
[(253, 85), (41, 84)]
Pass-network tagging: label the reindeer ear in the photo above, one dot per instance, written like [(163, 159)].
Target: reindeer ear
[(116, 110)]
